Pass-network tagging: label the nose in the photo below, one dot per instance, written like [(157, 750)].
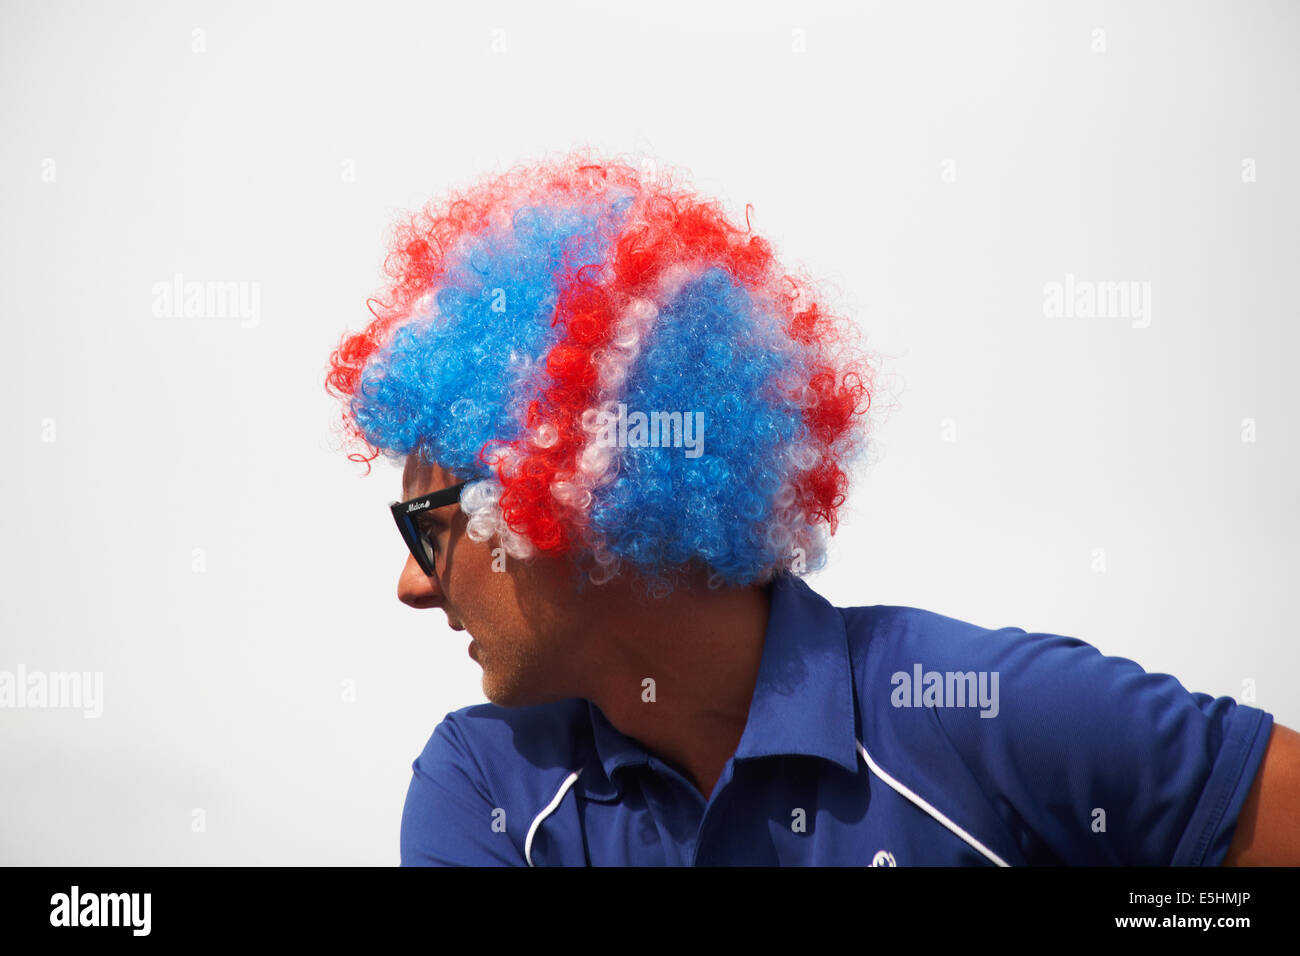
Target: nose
[(417, 589)]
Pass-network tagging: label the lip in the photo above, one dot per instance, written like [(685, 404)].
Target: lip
[(472, 655)]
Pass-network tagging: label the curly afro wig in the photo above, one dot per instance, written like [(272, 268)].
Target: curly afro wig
[(626, 377)]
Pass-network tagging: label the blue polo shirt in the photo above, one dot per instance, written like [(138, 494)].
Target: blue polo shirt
[(885, 736)]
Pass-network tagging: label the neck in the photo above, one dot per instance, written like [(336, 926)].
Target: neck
[(702, 651)]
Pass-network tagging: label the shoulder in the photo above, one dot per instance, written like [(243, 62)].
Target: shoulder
[(909, 654), (891, 628), (886, 635), (1086, 758), (483, 775), (902, 654), (495, 745)]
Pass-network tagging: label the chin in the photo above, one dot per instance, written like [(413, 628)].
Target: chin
[(513, 693), (509, 698)]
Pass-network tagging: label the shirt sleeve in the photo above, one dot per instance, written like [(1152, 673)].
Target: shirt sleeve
[(1092, 761), (449, 818)]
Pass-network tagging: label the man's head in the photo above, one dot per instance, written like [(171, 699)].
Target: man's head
[(633, 387)]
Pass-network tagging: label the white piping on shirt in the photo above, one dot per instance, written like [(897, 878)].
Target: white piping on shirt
[(550, 808), (875, 768)]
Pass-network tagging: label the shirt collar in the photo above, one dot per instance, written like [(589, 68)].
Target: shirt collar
[(613, 750), (803, 699)]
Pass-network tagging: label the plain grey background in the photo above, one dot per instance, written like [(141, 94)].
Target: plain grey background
[(178, 518)]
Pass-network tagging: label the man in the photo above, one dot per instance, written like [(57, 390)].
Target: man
[(626, 433)]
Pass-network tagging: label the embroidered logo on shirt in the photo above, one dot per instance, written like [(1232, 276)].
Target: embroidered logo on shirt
[(883, 858)]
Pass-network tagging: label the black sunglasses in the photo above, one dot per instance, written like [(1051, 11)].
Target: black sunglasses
[(407, 513)]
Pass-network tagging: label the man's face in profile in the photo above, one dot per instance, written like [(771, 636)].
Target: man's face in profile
[(519, 614)]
